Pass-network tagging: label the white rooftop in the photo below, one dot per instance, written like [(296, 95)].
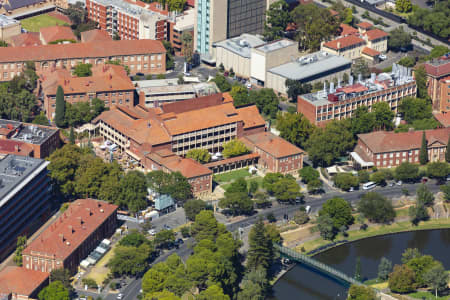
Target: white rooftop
[(185, 21), (7, 21), (241, 45), (275, 45)]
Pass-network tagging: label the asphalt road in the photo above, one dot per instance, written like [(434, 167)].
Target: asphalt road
[(131, 291)]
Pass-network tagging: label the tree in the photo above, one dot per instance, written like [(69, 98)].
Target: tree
[(206, 226), (409, 254), (260, 252), (269, 180), (213, 292), (363, 176), (295, 88), (308, 174), (339, 210), (415, 109), (362, 120), (438, 51), (255, 285), (62, 275), (345, 181), (421, 77), (398, 38), (384, 268), (439, 170), (277, 19), (133, 239), (76, 13), (200, 155), (423, 154), (378, 177), (234, 148), (133, 191), (163, 238), (424, 196), (262, 200), (376, 208), (314, 25), (361, 292), (222, 83), (301, 217), (54, 291), (129, 260), (238, 203), (71, 136), (176, 5), (294, 128), (403, 6), (169, 54), (437, 278), (60, 107), (407, 61), (446, 190), (83, 70), (240, 95), (20, 246), (187, 45), (41, 119), (266, 100), (407, 172), (315, 186), (326, 227), (193, 207), (402, 279), (447, 151), (325, 145), (420, 266), (383, 116), (360, 66), (286, 190), (252, 187)]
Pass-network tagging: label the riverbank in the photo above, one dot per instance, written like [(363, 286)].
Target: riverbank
[(375, 230)]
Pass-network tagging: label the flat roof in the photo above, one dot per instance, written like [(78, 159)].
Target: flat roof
[(6, 21), (15, 172), (185, 21), (241, 45), (28, 133), (310, 65), (129, 8), (275, 45)]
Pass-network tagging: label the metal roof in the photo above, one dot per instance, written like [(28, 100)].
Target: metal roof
[(6, 21), (242, 44)]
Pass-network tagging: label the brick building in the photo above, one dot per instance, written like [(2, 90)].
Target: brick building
[(72, 236), (389, 149), (28, 139), (438, 82), (341, 102), (141, 56), (56, 35), (18, 283), (130, 20), (109, 83)]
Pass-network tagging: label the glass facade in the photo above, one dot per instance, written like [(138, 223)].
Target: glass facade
[(203, 22)]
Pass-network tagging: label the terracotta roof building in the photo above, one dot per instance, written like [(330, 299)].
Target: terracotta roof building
[(364, 26), (389, 149), (71, 238), (56, 35), (438, 83), (26, 40), (347, 30), (20, 283), (141, 56), (95, 35), (443, 118), (109, 83)]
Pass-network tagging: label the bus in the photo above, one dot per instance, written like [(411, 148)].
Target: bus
[(369, 185)]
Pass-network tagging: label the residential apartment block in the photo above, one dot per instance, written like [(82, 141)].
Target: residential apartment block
[(72, 237), (341, 102), (26, 139), (109, 83), (389, 149), (140, 56), (438, 82), (130, 20), (25, 192)]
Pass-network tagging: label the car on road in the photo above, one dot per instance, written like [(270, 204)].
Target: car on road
[(152, 232), (399, 182), (382, 57), (119, 296), (187, 74), (178, 242), (167, 227)]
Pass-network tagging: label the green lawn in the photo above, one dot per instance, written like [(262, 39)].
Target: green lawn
[(33, 24), (232, 175), (426, 296)]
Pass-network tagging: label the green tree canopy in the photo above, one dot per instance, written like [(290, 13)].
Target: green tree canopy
[(398, 38), (128, 260), (277, 19), (361, 292), (403, 6), (421, 81), (435, 20), (296, 88), (402, 279), (294, 128), (234, 148), (415, 109), (286, 190), (384, 268), (407, 172), (325, 225), (383, 116), (260, 252), (238, 203), (362, 120), (222, 83), (308, 174), (54, 291), (200, 155), (83, 70), (439, 170), (436, 278), (339, 210), (133, 191), (60, 107), (193, 207), (345, 181), (376, 208)]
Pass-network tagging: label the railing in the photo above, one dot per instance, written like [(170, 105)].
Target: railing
[(294, 255)]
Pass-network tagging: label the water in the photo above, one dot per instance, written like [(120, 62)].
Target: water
[(305, 284)]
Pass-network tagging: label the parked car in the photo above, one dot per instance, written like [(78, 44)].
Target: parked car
[(167, 227), (152, 232), (399, 182), (382, 57), (119, 296)]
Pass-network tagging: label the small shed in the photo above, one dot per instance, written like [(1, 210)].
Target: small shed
[(164, 203)]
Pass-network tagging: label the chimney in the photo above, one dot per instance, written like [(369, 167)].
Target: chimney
[(89, 211), (339, 45), (61, 236), (80, 220), (110, 76), (71, 228), (17, 148)]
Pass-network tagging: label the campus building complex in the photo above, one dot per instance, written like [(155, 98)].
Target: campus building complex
[(28, 139), (71, 238), (18, 283), (438, 82), (341, 102), (24, 198), (389, 149), (109, 83), (140, 56)]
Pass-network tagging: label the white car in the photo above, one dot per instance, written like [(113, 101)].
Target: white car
[(119, 296), (382, 57), (152, 232)]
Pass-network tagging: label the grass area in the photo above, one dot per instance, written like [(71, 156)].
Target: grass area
[(426, 296), (33, 24), (232, 175), (100, 271), (378, 230), (402, 212), (381, 285)]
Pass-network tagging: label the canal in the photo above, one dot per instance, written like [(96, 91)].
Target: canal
[(305, 284)]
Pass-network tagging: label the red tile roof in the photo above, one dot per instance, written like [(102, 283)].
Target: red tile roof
[(188, 167), (15, 147), (344, 42), (347, 30), (375, 34), (370, 51), (81, 50), (72, 228), (95, 35), (384, 141), (21, 281), (271, 144), (438, 70), (443, 118), (251, 117), (55, 33), (365, 25), (190, 3), (26, 40)]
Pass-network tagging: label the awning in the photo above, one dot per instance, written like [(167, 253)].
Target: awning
[(361, 161)]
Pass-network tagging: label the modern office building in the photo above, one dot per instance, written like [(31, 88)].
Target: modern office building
[(384, 149), (71, 238), (217, 20), (438, 82), (26, 139), (341, 102), (25, 192)]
